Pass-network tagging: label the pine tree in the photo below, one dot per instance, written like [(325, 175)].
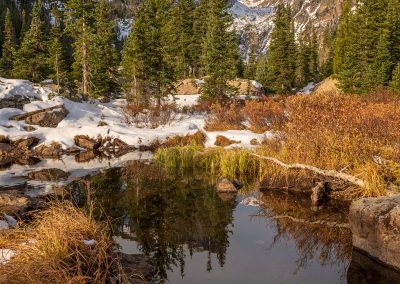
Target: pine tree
[(200, 26), (80, 27), (282, 52), (181, 37), (367, 62), (251, 66), (56, 54), (103, 72), (341, 38), (395, 83), (314, 63), (30, 60), (8, 48), (148, 70), (393, 24), (303, 72), (262, 70), (219, 53)]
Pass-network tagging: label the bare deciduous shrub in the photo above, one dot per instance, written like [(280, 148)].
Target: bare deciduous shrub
[(266, 114), (150, 117), (224, 117)]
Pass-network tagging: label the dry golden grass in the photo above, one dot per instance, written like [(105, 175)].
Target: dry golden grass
[(51, 249)]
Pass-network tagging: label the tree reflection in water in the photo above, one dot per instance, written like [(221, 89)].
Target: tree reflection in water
[(318, 234), (168, 216)]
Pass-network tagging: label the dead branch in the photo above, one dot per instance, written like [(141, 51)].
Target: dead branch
[(298, 220), (328, 173)]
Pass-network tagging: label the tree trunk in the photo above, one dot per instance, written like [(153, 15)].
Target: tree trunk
[(85, 67)]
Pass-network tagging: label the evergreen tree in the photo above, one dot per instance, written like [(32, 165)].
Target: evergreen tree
[(367, 62), (303, 63), (200, 27), (282, 52), (8, 48), (148, 69), (341, 38), (313, 55), (395, 83), (30, 60), (262, 70), (56, 54), (182, 37), (393, 23), (103, 72), (80, 16), (219, 53), (251, 66)]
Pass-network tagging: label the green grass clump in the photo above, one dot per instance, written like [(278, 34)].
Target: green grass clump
[(229, 163)]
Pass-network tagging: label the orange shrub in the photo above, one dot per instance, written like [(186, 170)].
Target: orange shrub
[(224, 117), (266, 114)]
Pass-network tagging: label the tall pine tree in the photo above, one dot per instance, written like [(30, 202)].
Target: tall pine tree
[(342, 35), (103, 72), (219, 53), (30, 61), (56, 54), (181, 38), (8, 48), (282, 53), (80, 16), (148, 69)]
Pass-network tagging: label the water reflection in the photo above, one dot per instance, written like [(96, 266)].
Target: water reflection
[(183, 225), (321, 234), (167, 216)]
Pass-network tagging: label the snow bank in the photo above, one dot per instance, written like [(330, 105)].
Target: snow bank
[(84, 119)]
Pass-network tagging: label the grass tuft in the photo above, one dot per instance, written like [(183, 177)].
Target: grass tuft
[(51, 249)]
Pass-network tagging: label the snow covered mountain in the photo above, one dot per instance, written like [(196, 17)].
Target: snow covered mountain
[(253, 19)]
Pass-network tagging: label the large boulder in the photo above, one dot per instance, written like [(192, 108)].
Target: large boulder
[(375, 224), (49, 117)]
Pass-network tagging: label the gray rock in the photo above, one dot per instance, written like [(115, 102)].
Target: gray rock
[(224, 185), (375, 224), (50, 118), (4, 225), (16, 101)]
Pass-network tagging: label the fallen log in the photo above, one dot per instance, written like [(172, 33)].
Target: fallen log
[(328, 173)]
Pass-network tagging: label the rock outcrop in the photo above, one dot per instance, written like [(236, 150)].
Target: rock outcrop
[(375, 224), (48, 117)]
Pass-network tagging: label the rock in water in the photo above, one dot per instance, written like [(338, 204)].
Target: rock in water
[(375, 224), (226, 186)]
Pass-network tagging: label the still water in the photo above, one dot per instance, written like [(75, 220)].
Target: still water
[(195, 235), (192, 234)]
